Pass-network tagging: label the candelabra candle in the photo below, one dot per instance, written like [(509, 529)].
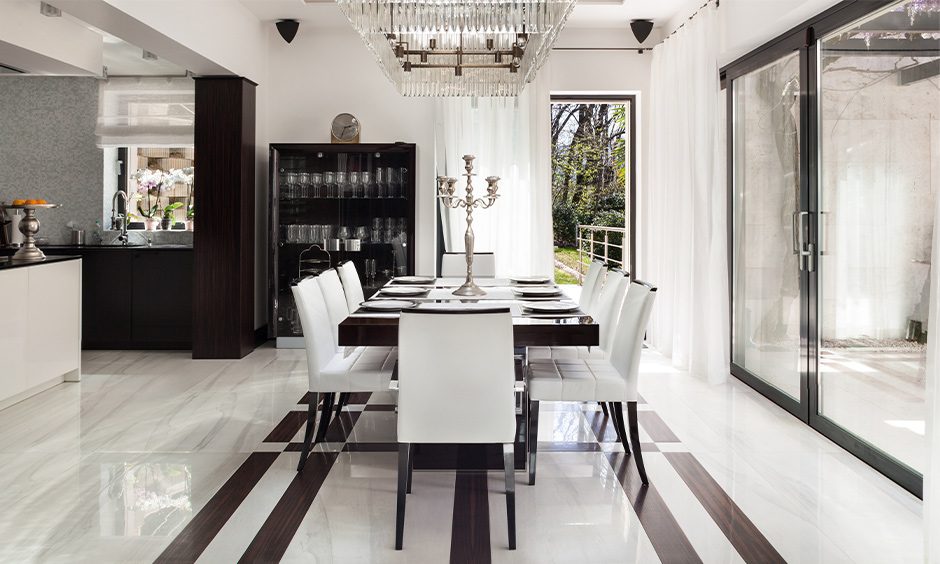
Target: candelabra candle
[(445, 187)]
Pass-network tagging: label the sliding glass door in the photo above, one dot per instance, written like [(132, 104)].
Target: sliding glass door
[(834, 177), (766, 279), (879, 139)]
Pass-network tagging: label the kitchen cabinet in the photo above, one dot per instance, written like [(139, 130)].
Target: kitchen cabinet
[(134, 297), (330, 203)]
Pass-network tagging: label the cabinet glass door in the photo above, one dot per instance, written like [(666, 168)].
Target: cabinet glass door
[(337, 203)]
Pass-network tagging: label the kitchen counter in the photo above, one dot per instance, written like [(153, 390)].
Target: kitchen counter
[(40, 328), (7, 262)]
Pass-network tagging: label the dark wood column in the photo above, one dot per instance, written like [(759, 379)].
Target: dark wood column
[(223, 238)]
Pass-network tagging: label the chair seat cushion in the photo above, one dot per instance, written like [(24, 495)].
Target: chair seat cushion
[(565, 352), (364, 369), (575, 379)]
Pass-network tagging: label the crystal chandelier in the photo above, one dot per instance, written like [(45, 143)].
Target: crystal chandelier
[(458, 47)]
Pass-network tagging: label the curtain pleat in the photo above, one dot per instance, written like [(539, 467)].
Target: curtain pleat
[(686, 251), (932, 470)]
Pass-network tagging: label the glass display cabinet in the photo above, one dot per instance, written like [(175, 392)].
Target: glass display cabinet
[(330, 203)]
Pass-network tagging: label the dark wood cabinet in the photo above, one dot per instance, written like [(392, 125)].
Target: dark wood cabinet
[(163, 297), (333, 203)]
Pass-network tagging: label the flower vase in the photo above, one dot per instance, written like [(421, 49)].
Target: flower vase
[(151, 223), (189, 224), (166, 223)]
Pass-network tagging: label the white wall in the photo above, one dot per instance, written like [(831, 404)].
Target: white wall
[(327, 71)]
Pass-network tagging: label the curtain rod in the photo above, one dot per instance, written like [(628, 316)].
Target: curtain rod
[(700, 8)]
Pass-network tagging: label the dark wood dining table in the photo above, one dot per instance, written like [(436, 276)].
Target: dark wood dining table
[(529, 329), (380, 328)]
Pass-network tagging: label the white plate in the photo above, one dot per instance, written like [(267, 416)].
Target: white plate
[(550, 307), (402, 291), (531, 280), (413, 280), (387, 305), (536, 292)]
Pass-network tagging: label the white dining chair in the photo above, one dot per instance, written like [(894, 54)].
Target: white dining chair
[(454, 265), (606, 315), (591, 286), (335, 297), (361, 369), (456, 384), (352, 285), (598, 380)]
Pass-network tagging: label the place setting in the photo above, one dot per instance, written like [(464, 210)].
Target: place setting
[(551, 309)]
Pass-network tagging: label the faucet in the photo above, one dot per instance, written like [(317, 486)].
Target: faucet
[(123, 217)]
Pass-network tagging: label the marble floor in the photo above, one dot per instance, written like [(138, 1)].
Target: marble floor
[(155, 457)]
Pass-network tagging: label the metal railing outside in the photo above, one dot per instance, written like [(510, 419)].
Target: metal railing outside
[(594, 242)]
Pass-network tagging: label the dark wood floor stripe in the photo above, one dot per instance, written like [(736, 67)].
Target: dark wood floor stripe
[(370, 447), (655, 427), (306, 399), (744, 536), (287, 428), (670, 542), (207, 523), (470, 532), (602, 425), (379, 407), (359, 398), (272, 540)]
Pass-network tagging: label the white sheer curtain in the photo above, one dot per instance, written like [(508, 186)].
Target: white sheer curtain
[(509, 138), (932, 470), (685, 251)]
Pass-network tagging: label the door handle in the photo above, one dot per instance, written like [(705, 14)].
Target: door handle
[(806, 249)]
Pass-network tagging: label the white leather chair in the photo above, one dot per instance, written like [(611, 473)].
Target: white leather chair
[(591, 286), (363, 369), (352, 286), (335, 298), (598, 380), (454, 265), (455, 394), (606, 314)]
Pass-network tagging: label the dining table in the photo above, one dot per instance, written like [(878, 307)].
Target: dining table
[(542, 315)]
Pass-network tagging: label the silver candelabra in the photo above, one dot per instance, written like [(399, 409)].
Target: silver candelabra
[(445, 188)]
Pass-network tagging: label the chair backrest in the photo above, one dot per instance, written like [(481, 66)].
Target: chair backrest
[(455, 265), (607, 311), (456, 377), (591, 286), (352, 286), (628, 337), (315, 322), (335, 299)]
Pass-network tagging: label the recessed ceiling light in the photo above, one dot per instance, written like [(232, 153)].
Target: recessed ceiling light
[(49, 10)]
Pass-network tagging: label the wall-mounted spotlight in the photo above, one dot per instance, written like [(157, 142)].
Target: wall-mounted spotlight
[(288, 29), (49, 10), (641, 29)]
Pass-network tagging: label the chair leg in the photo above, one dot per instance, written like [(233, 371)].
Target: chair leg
[(403, 450), (411, 465), (509, 461), (325, 413), (617, 415), (604, 408), (635, 439), (533, 438), (308, 433)]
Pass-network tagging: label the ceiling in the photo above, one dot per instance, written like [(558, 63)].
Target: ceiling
[(124, 59)]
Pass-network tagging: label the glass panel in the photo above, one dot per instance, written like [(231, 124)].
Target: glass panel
[(766, 334), (878, 180)]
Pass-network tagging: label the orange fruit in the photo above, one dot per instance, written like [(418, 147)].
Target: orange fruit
[(42, 202), (32, 202), (19, 202)]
